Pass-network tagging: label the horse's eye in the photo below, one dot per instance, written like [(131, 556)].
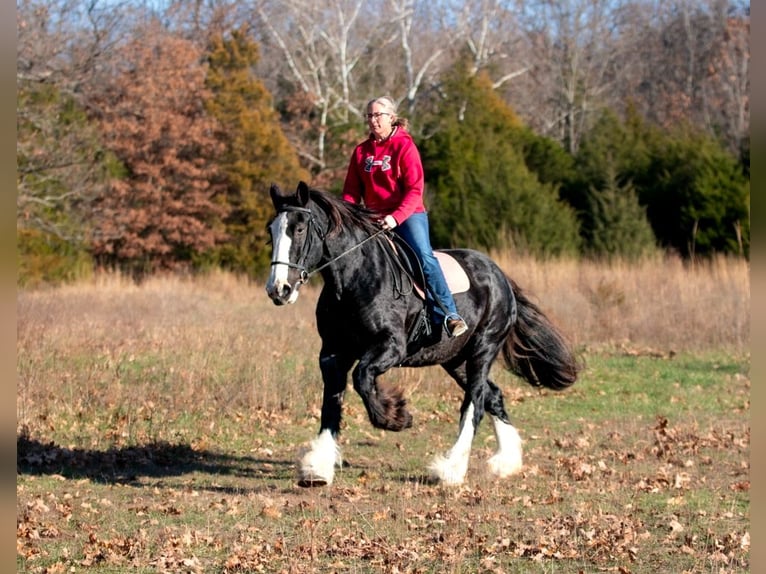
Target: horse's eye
[(300, 229)]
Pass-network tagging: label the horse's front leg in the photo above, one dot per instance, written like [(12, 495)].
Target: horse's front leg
[(386, 406), (317, 465)]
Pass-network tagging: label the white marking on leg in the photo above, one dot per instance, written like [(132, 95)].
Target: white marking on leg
[(282, 243), (507, 460), (451, 469), (317, 465)]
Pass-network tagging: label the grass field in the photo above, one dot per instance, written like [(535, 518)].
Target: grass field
[(158, 428)]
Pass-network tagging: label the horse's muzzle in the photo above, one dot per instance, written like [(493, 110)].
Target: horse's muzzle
[(282, 293)]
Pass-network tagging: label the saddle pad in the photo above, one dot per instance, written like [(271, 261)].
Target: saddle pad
[(456, 277)]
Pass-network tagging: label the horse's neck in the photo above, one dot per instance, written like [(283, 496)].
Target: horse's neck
[(356, 257)]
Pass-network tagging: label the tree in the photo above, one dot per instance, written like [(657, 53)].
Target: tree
[(423, 44), (577, 45), (694, 66), (696, 195), (61, 169), (620, 228), (545, 157), (610, 155), (60, 164), (325, 60), (161, 215), (556, 64), (256, 151), (318, 47), (480, 189), (727, 85)]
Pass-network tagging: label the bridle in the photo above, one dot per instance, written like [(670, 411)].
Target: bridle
[(313, 227)]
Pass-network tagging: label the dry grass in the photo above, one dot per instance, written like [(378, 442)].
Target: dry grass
[(158, 427), (223, 343), (663, 304), (218, 342)]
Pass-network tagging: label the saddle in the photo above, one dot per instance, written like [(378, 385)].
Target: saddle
[(421, 332), (457, 278)]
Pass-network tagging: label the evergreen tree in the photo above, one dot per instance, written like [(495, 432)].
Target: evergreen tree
[(479, 187), (697, 196), (257, 153), (546, 158), (620, 227), (610, 154)]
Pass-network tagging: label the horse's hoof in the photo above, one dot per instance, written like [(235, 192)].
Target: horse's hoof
[(312, 481), (402, 422)]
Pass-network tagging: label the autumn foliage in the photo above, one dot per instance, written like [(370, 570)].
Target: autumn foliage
[(153, 119), (148, 133)]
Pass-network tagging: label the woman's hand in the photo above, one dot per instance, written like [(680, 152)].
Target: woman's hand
[(388, 222)]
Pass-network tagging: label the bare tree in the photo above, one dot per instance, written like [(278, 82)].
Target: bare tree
[(729, 83), (64, 41), (340, 53), (424, 41), (319, 45), (201, 20), (61, 47), (491, 30), (695, 62), (577, 46), (726, 86)]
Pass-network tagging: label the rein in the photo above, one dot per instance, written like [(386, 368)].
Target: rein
[(306, 274)]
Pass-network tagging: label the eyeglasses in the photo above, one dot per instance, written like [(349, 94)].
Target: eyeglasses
[(377, 115)]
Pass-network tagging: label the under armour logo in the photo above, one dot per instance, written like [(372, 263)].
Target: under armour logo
[(370, 162)]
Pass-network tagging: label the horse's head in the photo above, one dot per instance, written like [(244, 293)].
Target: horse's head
[(296, 238)]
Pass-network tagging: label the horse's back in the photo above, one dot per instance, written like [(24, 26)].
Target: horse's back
[(481, 269)]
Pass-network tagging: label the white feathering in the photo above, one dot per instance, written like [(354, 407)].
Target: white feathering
[(508, 458), (317, 465)]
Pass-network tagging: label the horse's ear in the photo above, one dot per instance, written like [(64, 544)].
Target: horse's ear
[(302, 193), (275, 192)]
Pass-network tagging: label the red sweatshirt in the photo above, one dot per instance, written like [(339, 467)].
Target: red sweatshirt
[(387, 176)]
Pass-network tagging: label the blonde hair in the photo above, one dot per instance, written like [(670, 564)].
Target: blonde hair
[(390, 107)]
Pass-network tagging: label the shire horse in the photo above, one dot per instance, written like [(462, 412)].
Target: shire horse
[(365, 315)]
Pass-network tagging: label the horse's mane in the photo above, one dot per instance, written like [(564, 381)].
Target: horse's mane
[(344, 214)]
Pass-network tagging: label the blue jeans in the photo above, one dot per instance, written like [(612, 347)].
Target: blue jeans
[(414, 230)]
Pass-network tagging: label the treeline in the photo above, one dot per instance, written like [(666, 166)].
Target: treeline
[(148, 135)]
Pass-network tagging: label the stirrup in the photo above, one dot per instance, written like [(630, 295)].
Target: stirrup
[(455, 325)]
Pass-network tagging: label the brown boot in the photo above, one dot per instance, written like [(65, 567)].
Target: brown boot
[(456, 326)]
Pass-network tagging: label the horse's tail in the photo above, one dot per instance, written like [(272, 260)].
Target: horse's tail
[(536, 350)]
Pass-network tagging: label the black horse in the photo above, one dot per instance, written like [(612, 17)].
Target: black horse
[(366, 314)]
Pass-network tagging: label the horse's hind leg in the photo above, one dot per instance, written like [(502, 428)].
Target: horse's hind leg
[(451, 468), (508, 459), (317, 464)]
